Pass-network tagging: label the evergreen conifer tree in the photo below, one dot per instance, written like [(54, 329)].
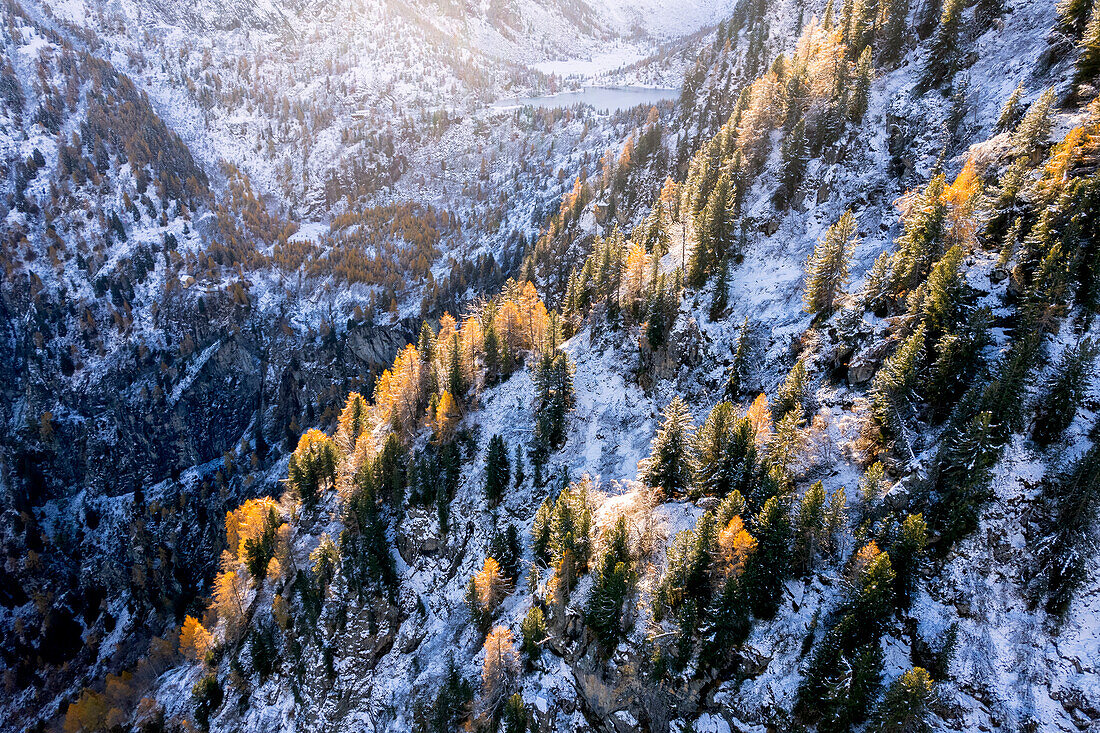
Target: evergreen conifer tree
[(906, 705), (1073, 16), (1030, 136), (554, 398), (517, 462), (740, 363), (1063, 393), (865, 74), (942, 55), (497, 470), (613, 581), (1088, 62), (966, 462), (1070, 502), (715, 232), (720, 299), (894, 385), (809, 527), (895, 14), (1012, 110), (795, 157), (668, 467), (769, 566), (792, 394), (922, 243), (905, 550), (827, 267), (534, 632), (312, 466), (986, 12)]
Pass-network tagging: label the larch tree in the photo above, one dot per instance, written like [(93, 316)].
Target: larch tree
[(499, 671), (195, 640)]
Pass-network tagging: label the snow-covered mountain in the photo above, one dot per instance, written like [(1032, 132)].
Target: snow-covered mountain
[(770, 409)]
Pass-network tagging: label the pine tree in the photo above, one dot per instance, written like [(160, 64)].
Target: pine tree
[(769, 566), (786, 445), (1030, 136), (809, 528), (1063, 393), (534, 632), (715, 232), (739, 364), (923, 242), (668, 467), (506, 549), (554, 398), (1073, 16), (955, 332), (1070, 502), (863, 26), (795, 157), (614, 579), (865, 74), (942, 55), (520, 476), (966, 461), (724, 453), (451, 706), (906, 706), (827, 267), (876, 295), (497, 470), (493, 361), (905, 550), (793, 393), (730, 620), (894, 386), (426, 340), (1088, 62), (720, 299), (312, 466), (1012, 110), (892, 34), (207, 696), (872, 487), (836, 523), (565, 525), (514, 718)]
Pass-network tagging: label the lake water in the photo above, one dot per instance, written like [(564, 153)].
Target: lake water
[(603, 99)]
